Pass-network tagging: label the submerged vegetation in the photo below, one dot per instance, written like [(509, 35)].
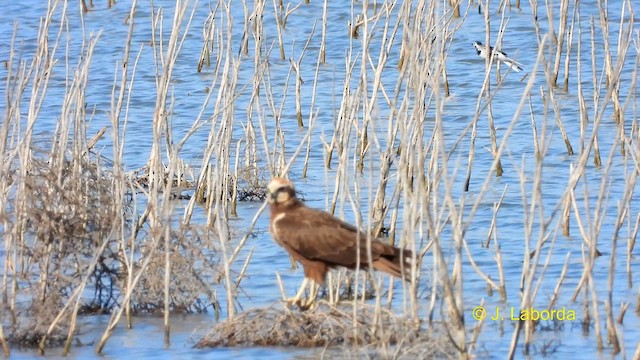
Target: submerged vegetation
[(88, 230)]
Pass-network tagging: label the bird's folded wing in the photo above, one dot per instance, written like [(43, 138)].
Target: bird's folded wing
[(316, 235)]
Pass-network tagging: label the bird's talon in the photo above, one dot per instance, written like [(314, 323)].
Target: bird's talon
[(302, 304)]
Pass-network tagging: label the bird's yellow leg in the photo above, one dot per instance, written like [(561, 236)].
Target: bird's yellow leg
[(296, 299), (330, 286), (313, 293)]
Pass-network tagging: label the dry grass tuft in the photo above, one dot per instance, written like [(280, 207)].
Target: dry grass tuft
[(68, 215), (194, 266), (69, 208), (326, 326)]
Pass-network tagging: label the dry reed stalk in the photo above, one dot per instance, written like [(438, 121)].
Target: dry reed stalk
[(623, 310), (551, 19), (611, 73), (15, 85), (596, 309), (556, 110), (346, 111), (556, 290), (477, 328), (3, 341), (559, 40), (567, 58), (295, 65), (455, 5), (630, 246), (493, 233), (322, 53), (596, 91), (208, 33), (259, 39), (534, 18), (313, 112), (386, 155), (246, 32), (234, 181), (280, 23)]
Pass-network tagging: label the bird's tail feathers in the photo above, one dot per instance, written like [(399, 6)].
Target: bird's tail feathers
[(398, 265), (514, 65)]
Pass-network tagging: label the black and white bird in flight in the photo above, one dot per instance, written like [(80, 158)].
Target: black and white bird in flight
[(499, 55)]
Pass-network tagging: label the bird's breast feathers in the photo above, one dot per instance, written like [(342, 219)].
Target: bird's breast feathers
[(274, 225)]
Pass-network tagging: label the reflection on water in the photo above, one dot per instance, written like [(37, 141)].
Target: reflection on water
[(465, 71)]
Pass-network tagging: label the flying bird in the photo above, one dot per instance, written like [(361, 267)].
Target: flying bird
[(320, 241), (497, 54)]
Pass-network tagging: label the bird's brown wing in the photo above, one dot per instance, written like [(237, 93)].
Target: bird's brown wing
[(317, 235)]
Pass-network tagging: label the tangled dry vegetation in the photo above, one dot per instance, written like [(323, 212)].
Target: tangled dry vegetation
[(373, 330), (67, 242), (65, 216)]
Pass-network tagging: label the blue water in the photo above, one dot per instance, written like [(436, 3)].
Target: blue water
[(189, 90)]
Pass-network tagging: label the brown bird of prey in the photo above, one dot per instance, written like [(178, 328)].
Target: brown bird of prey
[(320, 241)]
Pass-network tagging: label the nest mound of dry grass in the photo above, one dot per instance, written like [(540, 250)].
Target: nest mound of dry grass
[(328, 326)]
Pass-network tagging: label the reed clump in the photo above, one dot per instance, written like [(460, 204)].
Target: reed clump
[(194, 266), (66, 218)]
